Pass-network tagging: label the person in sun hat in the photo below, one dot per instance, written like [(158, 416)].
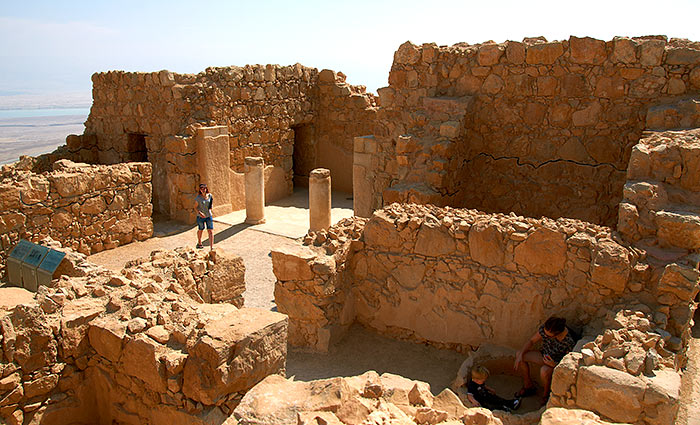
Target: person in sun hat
[(204, 202)]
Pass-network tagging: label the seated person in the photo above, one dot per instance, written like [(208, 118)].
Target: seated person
[(482, 396), (557, 340)]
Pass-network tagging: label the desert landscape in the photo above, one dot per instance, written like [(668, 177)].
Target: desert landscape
[(35, 135), (369, 250)]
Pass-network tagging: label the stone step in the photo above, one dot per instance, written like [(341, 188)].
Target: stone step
[(678, 228)]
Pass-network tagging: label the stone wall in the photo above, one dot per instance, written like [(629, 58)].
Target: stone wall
[(414, 272), (269, 111), (86, 207), (101, 347), (534, 127)]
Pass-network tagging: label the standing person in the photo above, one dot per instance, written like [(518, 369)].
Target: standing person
[(557, 340), (204, 202)]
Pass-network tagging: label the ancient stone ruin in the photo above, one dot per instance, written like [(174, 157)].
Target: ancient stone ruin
[(494, 185)]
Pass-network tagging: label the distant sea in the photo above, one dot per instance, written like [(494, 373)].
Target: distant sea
[(37, 131)]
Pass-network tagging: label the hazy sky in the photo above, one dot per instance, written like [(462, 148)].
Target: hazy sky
[(55, 46)]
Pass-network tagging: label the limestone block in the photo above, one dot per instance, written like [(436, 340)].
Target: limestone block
[(651, 52), (9, 197), (235, 353), (40, 386), (624, 50), (486, 243), (226, 282), (678, 228), (106, 336), (682, 56), (610, 266), (663, 392), (93, 206), (544, 53), (543, 252), (489, 54), (420, 395), (27, 339), (257, 407), (609, 392), (141, 359), (434, 241), (564, 416), (587, 116), (564, 375), (407, 54), (694, 77), (70, 184), (493, 84), (680, 280), (447, 401), (515, 52), (587, 50), (292, 263), (627, 217), (380, 231)]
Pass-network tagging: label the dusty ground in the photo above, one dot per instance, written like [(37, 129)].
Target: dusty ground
[(689, 411)]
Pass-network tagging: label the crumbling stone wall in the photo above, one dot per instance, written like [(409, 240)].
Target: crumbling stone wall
[(534, 127), (155, 116), (415, 271), (660, 202), (86, 207), (344, 110), (101, 347)]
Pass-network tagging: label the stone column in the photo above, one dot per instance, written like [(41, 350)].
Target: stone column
[(254, 190), (319, 199)]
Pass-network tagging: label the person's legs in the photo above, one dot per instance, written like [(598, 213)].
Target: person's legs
[(546, 377), (534, 357), (210, 232), (200, 229), (492, 401)]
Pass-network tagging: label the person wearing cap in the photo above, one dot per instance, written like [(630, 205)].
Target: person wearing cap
[(204, 202)]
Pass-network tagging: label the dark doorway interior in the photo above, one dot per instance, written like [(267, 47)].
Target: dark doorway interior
[(304, 154), (136, 148)]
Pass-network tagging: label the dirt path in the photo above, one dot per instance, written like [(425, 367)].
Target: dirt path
[(689, 410)]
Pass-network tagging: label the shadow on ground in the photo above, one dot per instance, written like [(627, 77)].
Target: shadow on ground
[(361, 350)]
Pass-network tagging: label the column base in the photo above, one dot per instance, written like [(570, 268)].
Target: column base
[(254, 221)]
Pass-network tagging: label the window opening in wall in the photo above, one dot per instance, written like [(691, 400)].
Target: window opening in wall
[(304, 155), (136, 148)]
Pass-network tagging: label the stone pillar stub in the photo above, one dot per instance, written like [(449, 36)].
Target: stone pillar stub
[(319, 199), (362, 184), (214, 166), (254, 190)]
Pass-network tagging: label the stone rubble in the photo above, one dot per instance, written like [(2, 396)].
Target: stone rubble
[(134, 347)]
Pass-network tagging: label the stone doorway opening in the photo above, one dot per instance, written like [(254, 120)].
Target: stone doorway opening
[(304, 156), (136, 150)]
